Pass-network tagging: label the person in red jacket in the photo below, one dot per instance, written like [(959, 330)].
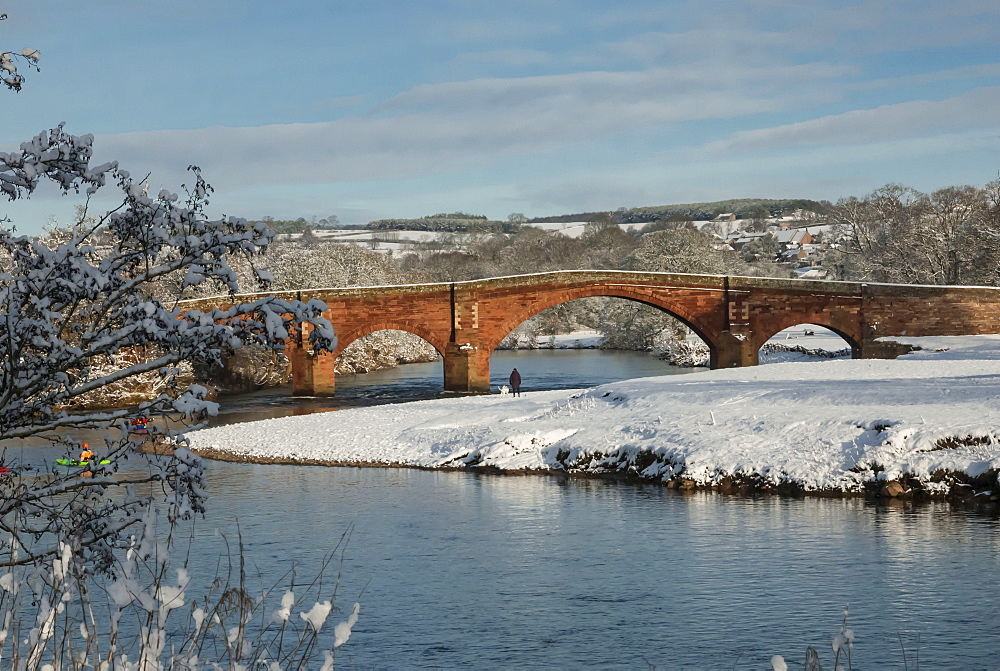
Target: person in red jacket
[(139, 426), (85, 456), (515, 383)]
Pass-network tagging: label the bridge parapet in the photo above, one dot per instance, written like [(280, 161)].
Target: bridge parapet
[(794, 285), (566, 277)]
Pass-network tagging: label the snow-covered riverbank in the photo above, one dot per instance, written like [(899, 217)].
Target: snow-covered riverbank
[(924, 423)]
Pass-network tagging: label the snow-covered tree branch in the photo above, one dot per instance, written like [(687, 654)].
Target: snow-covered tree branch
[(9, 60), (80, 313)]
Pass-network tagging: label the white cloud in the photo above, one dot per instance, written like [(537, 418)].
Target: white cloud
[(457, 125), (904, 25), (699, 28), (667, 85), (975, 108), (979, 71)]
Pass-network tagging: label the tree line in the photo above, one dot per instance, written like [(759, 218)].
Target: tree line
[(893, 234), (898, 234), (457, 222), (742, 208)]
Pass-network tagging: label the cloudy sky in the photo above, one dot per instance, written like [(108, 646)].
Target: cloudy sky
[(401, 108)]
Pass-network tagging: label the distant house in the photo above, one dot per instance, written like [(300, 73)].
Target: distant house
[(794, 254), (725, 216), (794, 236), (744, 238)]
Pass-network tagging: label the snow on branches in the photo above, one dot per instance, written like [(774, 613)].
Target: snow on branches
[(81, 313), (11, 78), (90, 298), (56, 155)]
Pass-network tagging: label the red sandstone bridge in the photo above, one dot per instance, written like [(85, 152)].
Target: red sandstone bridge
[(465, 321)]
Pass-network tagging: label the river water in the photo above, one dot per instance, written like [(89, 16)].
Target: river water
[(540, 370), (465, 570), (469, 570), (457, 569)]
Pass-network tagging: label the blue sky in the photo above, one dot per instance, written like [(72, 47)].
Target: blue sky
[(370, 109)]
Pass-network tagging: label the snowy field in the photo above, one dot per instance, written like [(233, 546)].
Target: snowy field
[(582, 339), (822, 425)]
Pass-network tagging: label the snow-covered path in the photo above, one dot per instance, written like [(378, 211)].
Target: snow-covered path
[(818, 425)]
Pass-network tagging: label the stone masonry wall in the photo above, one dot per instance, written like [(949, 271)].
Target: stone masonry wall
[(900, 310)]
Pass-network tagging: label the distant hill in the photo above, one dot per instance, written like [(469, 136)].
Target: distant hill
[(743, 208), (457, 222), (299, 225)]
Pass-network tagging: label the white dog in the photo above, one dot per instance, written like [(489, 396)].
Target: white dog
[(504, 390)]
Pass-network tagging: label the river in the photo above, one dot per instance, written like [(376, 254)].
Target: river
[(466, 570), (461, 569), (540, 370), (458, 569)]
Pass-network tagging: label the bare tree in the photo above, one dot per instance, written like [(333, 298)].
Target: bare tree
[(897, 234), (759, 221), (681, 250), (606, 242), (951, 231)]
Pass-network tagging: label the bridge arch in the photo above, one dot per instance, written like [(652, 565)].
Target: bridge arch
[(845, 331), (345, 338), (544, 302)]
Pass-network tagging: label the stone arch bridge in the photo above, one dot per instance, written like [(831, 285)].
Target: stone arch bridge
[(465, 321)]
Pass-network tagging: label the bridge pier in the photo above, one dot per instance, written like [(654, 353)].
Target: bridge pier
[(734, 350), (312, 374), (466, 368)]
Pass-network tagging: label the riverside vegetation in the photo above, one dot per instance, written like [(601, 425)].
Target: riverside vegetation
[(83, 314)]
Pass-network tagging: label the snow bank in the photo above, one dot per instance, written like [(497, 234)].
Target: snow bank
[(926, 421), (583, 339)]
